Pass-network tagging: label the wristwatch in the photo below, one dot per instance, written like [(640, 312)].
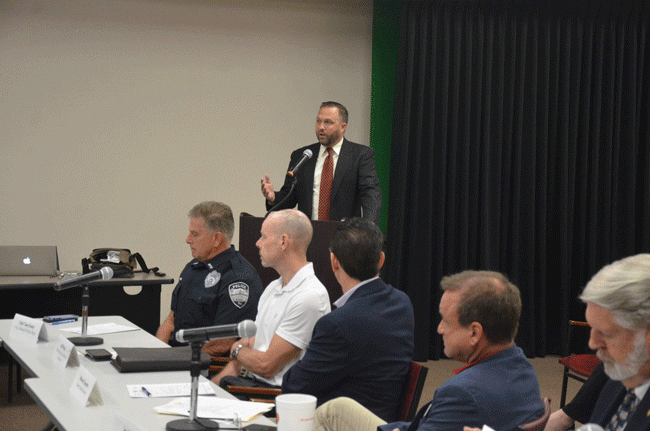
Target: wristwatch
[(236, 351)]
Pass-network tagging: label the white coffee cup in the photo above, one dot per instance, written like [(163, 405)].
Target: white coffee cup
[(295, 412)]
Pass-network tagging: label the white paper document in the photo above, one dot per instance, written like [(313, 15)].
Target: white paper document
[(215, 408), (167, 390), (104, 328)]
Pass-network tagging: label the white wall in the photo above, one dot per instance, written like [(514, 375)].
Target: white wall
[(117, 116)]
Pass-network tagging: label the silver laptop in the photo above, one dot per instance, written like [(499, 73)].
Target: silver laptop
[(28, 260)]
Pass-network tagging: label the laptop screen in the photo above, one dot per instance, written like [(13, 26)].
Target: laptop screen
[(29, 260)]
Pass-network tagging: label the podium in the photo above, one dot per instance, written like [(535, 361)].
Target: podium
[(318, 252)]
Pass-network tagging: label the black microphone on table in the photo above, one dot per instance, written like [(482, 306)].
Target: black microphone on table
[(306, 155), (243, 329), (103, 274)]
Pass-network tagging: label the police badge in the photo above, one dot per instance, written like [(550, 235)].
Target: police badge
[(212, 279), (238, 294)]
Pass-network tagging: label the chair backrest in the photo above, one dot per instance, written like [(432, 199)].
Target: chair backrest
[(410, 400), (539, 424)]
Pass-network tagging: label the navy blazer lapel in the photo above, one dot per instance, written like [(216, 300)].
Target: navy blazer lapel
[(611, 396), (640, 420)]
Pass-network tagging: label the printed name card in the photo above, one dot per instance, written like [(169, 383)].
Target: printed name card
[(121, 423), (84, 388), (27, 330), (65, 354)]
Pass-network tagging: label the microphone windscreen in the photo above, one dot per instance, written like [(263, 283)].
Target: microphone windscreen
[(247, 329), (308, 153), (107, 272), (590, 427)]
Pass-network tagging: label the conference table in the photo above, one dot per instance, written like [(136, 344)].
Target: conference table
[(50, 386), (34, 296)]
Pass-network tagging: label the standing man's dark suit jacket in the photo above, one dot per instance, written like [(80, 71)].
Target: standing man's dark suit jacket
[(610, 398), (361, 350), (355, 186)]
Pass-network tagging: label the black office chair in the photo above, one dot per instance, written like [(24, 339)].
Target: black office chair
[(7, 359)]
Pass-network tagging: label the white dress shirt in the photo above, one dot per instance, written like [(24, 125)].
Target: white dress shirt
[(322, 155)]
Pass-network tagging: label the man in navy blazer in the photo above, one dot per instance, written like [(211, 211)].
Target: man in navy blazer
[(355, 186), (363, 349), (618, 310), (497, 387)]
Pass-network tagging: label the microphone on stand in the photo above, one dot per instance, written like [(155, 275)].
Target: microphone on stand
[(306, 155), (103, 274), (106, 273), (195, 337), (243, 329)]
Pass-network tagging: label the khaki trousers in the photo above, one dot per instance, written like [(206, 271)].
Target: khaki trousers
[(345, 414)]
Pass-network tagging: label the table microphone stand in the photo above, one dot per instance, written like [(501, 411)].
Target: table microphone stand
[(84, 339), (193, 423)]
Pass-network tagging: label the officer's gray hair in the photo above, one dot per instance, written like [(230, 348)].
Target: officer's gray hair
[(217, 216)]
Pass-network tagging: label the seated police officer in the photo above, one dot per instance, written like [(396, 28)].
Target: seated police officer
[(219, 286)]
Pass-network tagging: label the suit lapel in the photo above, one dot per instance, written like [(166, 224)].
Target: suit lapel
[(608, 401), (640, 419), (342, 166), (310, 168)]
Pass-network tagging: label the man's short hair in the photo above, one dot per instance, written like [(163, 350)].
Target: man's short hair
[(357, 244), (296, 225), (489, 299), (217, 217), (343, 113), (623, 287)]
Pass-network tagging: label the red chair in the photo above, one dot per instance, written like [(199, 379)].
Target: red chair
[(408, 404), (539, 424), (412, 391), (579, 366)]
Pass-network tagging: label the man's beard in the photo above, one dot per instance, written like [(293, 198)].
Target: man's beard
[(637, 358)]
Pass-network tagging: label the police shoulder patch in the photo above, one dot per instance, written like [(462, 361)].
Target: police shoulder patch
[(238, 293)]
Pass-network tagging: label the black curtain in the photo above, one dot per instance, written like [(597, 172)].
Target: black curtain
[(521, 143)]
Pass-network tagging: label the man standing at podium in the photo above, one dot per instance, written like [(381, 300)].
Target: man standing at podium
[(219, 286), (338, 181)]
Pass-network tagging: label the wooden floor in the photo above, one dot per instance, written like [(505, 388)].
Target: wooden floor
[(24, 415)]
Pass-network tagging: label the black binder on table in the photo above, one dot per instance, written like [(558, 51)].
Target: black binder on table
[(142, 359)]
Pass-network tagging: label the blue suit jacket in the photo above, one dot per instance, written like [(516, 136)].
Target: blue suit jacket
[(611, 396), (361, 350), (500, 391), (355, 186)]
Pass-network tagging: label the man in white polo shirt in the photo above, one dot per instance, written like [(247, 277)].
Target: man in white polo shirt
[(288, 309)]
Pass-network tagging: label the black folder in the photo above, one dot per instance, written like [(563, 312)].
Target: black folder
[(142, 359)]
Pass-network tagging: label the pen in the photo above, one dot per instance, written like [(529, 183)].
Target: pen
[(146, 392), (63, 321)]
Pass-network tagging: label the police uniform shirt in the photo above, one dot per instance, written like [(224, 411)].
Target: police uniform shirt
[(224, 290)]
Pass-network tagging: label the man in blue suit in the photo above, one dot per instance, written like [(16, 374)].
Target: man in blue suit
[(618, 310), (363, 349), (498, 387)]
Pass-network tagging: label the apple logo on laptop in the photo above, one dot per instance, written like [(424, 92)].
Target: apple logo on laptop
[(27, 261)]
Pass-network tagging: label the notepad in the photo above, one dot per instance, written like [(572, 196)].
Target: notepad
[(161, 390)]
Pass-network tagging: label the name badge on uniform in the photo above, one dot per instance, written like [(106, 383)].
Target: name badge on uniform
[(238, 293), (212, 279)]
